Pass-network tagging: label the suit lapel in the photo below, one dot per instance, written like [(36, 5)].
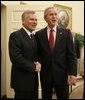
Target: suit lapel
[(27, 38), (59, 32), (25, 34), (46, 42)]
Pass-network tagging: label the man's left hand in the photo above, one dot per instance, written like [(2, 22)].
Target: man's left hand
[(72, 79)]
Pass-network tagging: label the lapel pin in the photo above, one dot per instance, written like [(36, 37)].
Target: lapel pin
[(60, 32)]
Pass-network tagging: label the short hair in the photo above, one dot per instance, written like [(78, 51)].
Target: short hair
[(46, 11), (25, 13)]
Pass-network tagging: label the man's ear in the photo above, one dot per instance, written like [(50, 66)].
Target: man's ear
[(45, 18), (23, 22)]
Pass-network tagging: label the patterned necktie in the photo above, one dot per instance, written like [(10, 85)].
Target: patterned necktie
[(51, 39), (31, 35), (32, 39)]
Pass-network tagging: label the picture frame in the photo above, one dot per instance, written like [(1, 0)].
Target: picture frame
[(64, 16)]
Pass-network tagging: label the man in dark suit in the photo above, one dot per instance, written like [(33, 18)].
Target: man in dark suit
[(57, 57), (23, 54)]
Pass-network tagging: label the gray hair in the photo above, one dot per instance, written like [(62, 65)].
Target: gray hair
[(25, 13), (46, 11)]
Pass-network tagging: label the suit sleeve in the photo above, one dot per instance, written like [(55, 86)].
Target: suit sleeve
[(38, 45), (16, 56), (71, 55)]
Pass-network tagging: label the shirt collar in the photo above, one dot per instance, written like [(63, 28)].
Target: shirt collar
[(54, 28), (27, 31)]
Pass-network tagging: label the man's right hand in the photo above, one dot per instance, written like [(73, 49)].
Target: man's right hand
[(38, 66)]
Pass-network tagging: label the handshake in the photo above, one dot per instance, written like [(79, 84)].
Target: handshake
[(38, 66)]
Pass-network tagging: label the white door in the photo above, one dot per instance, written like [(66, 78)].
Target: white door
[(3, 50)]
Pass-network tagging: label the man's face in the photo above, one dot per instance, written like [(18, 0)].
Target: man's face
[(30, 22), (51, 17)]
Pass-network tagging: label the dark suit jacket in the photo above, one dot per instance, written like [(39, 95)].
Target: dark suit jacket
[(59, 63), (22, 52)]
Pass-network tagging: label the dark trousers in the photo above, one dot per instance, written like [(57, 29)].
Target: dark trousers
[(62, 91), (26, 94)]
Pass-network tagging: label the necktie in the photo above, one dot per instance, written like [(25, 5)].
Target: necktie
[(51, 39), (32, 39), (31, 35)]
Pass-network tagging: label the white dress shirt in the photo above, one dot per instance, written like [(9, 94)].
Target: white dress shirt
[(27, 31)]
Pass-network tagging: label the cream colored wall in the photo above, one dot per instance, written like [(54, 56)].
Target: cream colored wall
[(78, 18), (77, 11)]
